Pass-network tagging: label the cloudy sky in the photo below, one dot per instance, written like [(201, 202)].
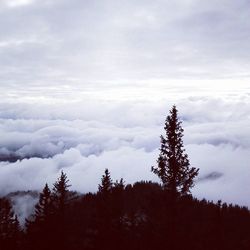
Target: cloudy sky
[(86, 85)]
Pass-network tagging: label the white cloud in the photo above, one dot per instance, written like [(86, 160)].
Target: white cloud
[(17, 3), (233, 163), (124, 137), (84, 172)]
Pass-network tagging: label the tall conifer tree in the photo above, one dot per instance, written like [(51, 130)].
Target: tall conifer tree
[(173, 166), (174, 170)]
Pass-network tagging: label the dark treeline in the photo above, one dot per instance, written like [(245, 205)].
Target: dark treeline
[(144, 215), (125, 217)]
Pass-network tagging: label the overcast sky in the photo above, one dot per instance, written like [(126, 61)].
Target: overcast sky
[(90, 41), (86, 85)]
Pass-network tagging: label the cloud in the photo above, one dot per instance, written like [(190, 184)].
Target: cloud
[(83, 172), (233, 163), (60, 42), (17, 3), (211, 176), (124, 137)]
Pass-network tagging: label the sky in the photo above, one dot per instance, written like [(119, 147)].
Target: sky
[(86, 85)]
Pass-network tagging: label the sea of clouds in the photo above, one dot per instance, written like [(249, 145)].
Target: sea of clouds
[(90, 133)]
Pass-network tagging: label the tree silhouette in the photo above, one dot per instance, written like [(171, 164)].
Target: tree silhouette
[(104, 211), (61, 198), (174, 171), (133, 217), (106, 183), (119, 184), (61, 192), (9, 226), (40, 225), (44, 208), (173, 164), (50, 216)]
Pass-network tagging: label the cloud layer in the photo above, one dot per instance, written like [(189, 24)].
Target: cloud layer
[(124, 137), (58, 42)]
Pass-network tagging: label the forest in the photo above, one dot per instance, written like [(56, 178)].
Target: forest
[(144, 215)]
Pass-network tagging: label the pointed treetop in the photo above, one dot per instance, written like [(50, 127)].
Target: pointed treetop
[(44, 207), (173, 167), (106, 183), (61, 194)]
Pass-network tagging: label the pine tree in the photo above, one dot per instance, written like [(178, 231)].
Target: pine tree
[(61, 198), (61, 194), (174, 170), (106, 183), (39, 227), (104, 211), (44, 208), (50, 216), (173, 164), (9, 225)]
